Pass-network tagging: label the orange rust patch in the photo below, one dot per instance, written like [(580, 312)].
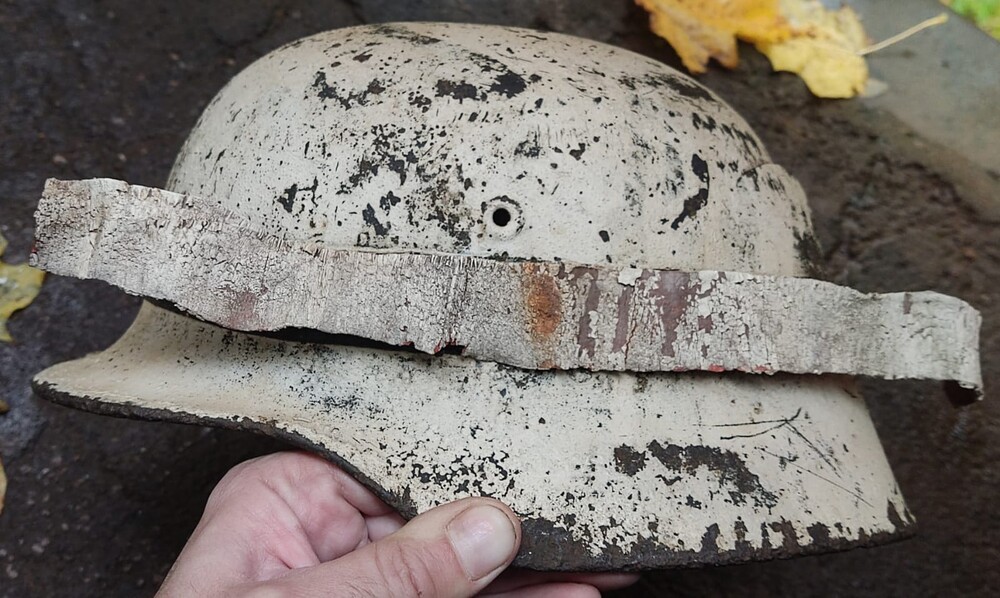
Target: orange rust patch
[(542, 302)]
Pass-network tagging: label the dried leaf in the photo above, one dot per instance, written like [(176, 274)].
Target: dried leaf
[(824, 48), (19, 285), (3, 485), (704, 29)]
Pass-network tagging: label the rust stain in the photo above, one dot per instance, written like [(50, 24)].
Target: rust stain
[(241, 308), (543, 303)]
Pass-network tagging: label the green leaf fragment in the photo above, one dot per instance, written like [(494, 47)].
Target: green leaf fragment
[(985, 13)]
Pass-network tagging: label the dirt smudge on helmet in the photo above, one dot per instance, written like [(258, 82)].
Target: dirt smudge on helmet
[(509, 84), (628, 460), (699, 199), (730, 468), (810, 252), (459, 91), (355, 98), (294, 191)]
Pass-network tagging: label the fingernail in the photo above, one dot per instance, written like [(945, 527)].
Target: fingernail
[(483, 538)]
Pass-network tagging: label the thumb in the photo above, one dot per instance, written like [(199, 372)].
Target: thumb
[(452, 551)]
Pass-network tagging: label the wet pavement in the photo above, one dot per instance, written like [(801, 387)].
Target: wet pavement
[(100, 506)]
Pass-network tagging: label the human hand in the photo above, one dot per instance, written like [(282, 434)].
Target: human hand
[(292, 524)]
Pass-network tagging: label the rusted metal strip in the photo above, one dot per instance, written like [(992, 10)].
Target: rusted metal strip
[(538, 315)]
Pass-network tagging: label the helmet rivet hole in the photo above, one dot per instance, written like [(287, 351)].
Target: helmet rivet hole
[(501, 217)]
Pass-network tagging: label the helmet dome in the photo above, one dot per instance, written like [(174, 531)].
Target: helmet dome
[(493, 142)]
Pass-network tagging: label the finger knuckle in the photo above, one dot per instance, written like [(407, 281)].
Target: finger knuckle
[(409, 570)]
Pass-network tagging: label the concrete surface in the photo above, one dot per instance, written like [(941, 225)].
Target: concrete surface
[(98, 506), (939, 82)]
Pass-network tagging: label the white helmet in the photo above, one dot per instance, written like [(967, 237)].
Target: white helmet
[(604, 244)]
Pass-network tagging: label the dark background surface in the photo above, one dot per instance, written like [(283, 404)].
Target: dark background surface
[(99, 506)]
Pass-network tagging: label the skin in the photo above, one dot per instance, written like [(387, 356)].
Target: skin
[(292, 524)]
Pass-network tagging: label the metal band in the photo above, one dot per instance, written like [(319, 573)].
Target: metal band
[(538, 315)]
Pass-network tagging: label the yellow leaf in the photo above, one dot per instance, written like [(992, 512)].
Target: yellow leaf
[(18, 288), (825, 48), (703, 29), (3, 486)]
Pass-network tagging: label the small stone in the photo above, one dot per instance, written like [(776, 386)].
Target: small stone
[(59, 160), (39, 547)]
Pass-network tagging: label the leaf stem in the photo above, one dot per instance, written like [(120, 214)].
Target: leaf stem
[(931, 22)]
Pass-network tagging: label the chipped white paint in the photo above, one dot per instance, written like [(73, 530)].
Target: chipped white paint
[(747, 454), (628, 276), (407, 137), (464, 150), (211, 264)]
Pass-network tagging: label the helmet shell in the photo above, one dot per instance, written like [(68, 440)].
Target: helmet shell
[(494, 142), (513, 144)]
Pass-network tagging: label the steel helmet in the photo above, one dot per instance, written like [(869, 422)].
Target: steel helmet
[(472, 260)]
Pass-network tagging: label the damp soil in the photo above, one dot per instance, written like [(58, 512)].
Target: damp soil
[(101, 506)]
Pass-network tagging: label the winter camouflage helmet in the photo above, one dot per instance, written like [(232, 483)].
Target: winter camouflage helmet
[(466, 260)]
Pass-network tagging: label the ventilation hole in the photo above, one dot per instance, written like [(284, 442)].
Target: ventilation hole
[(501, 216)]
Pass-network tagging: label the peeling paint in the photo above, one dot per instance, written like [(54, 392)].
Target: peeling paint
[(628, 276), (654, 469), (540, 315)]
